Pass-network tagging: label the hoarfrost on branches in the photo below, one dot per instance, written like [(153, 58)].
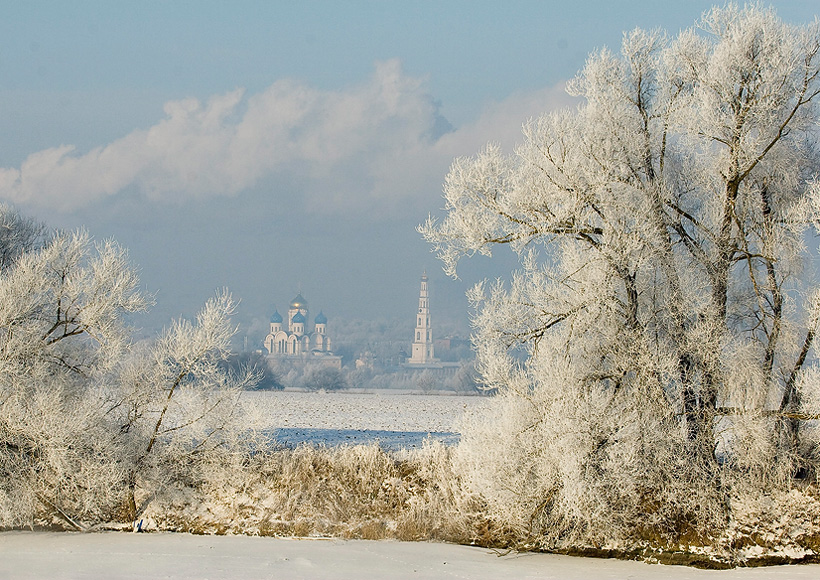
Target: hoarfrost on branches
[(88, 420), (661, 303)]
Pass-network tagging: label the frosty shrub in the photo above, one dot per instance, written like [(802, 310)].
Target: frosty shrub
[(652, 354)]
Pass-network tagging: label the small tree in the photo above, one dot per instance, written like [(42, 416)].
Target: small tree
[(426, 381), (661, 303), (61, 335), (323, 377), (240, 363), (89, 421), (178, 401)]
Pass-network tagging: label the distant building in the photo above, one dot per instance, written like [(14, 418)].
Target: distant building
[(422, 351), (298, 338)]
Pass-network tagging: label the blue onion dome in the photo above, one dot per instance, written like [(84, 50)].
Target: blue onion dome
[(276, 318), (320, 318), (299, 303), (298, 318)]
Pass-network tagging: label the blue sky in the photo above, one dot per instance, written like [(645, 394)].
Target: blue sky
[(276, 146)]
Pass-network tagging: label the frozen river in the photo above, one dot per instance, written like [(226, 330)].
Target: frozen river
[(394, 419), (117, 556)]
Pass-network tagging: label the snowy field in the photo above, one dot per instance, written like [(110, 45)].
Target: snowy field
[(115, 556), (395, 419)]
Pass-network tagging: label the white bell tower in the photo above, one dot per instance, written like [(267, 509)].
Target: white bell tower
[(422, 352)]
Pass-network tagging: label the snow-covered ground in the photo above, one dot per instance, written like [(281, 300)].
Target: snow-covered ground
[(114, 556), (382, 410), (395, 419)]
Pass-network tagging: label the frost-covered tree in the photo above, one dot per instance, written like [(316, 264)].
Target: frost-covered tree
[(662, 305), (175, 400), (62, 333), (91, 424), (319, 377)]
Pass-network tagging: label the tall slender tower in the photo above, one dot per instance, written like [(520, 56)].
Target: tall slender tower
[(423, 344)]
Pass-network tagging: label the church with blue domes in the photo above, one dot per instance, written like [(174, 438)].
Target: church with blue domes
[(298, 338)]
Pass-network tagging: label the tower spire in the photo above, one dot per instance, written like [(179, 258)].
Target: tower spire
[(422, 351)]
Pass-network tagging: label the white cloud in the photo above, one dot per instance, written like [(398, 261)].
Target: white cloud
[(502, 122), (369, 145)]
